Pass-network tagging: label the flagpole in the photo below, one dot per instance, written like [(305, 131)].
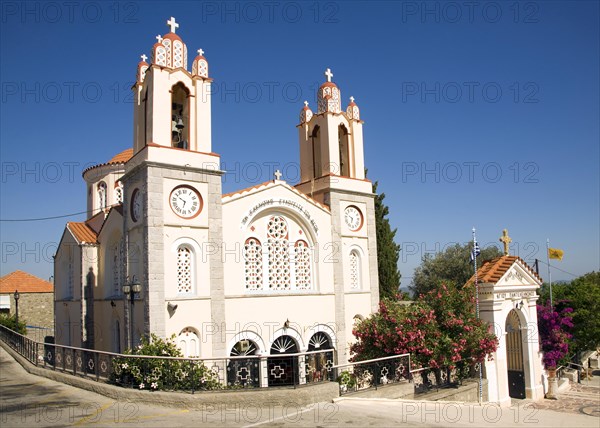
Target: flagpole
[(477, 311), (549, 273)]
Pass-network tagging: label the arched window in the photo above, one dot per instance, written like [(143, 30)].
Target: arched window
[(180, 117), (279, 259), (316, 152), (302, 259), (344, 167), (189, 342), (119, 192), (102, 195), (355, 270), (185, 270), (253, 261)]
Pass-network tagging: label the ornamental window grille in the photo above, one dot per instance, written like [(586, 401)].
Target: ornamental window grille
[(253, 264), (302, 258), (102, 195), (185, 259), (354, 270), (119, 193), (70, 278), (116, 269), (279, 258)]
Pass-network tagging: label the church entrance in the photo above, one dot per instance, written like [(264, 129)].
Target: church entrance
[(243, 371), (319, 365), (514, 356), (282, 369)]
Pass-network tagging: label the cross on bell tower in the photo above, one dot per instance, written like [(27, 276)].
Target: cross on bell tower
[(328, 74), (174, 25), (506, 240)]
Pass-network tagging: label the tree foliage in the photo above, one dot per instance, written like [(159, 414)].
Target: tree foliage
[(452, 267), (10, 321), (440, 329), (583, 295), (388, 251)]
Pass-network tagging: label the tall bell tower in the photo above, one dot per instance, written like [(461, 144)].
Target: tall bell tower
[(172, 192), (332, 171)]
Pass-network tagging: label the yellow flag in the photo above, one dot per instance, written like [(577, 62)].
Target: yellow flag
[(555, 253)]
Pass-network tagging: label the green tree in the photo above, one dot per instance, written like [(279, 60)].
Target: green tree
[(388, 251), (452, 267), (10, 321), (583, 295)]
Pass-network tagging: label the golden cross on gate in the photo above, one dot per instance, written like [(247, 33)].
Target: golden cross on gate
[(506, 240)]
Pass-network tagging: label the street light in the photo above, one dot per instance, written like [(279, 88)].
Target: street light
[(17, 296), (130, 289)]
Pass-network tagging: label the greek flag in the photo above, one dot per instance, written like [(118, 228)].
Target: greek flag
[(475, 252)]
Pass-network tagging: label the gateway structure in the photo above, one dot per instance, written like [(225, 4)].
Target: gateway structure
[(266, 270)]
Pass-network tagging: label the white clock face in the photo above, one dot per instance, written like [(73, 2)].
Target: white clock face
[(185, 201), (353, 218), (136, 205)]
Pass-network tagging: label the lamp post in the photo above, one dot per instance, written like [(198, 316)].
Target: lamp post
[(17, 297), (130, 289)]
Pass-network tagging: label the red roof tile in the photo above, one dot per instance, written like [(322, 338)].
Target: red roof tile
[(493, 270), (25, 283), (122, 157), (83, 233)]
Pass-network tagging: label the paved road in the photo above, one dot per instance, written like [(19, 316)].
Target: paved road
[(30, 401)]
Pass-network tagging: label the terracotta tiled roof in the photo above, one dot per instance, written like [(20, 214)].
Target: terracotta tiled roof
[(122, 157), (24, 282), (494, 269), (83, 233)]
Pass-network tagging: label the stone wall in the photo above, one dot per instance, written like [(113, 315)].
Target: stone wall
[(36, 310)]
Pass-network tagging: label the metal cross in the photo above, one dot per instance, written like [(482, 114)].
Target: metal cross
[(159, 38), (278, 175), (505, 239), (351, 99), (329, 74), (144, 57), (306, 103), (174, 25), (200, 52)]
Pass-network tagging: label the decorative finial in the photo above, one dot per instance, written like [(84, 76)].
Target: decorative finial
[(351, 99), (174, 25), (305, 103), (505, 239), (159, 38), (144, 57), (200, 52), (328, 74), (277, 175)]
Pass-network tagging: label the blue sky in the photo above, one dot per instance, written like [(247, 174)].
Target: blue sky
[(484, 116)]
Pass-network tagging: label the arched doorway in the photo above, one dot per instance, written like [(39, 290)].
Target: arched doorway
[(317, 365), (514, 356), (243, 371), (283, 370)]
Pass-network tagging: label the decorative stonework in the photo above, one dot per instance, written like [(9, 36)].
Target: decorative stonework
[(253, 264), (302, 258), (184, 270)]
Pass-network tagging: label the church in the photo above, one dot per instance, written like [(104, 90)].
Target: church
[(271, 269)]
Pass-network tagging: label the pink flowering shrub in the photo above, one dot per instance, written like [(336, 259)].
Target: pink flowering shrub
[(554, 328)]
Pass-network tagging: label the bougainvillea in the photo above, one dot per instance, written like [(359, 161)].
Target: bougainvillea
[(554, 328), (439, 329)]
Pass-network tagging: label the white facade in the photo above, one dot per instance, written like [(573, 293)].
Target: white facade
[(275, 268)]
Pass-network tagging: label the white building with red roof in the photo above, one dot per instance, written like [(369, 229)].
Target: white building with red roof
[(273, 269)]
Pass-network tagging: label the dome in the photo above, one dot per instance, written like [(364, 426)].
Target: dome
[(306, 113), (200, 65), (329, 96), (352, 111), (169, 50)]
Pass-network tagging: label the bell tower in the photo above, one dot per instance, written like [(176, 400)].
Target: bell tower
[(172, 105), (332, 171), (172, 193)]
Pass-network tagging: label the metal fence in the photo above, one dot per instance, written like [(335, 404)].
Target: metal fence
[(175, 373)]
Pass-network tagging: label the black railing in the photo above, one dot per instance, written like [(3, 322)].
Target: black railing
[(363, 375), (175, 373)]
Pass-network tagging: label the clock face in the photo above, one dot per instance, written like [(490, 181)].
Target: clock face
[(353, 218), (185, 201), (136, 205)]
